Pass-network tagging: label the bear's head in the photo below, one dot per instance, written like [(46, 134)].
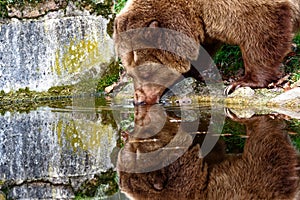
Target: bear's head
[(156, 41)]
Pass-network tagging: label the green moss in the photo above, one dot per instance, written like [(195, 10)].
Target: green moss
[(105, 9), (23, 2), (229, 60), (112, 76), (119, 5), (296, 141), (5, 3), (291, 63), (296, 76), (80, 55), (110, 26)]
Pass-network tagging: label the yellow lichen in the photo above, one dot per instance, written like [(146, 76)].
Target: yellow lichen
[(56, 66), (78, 56)]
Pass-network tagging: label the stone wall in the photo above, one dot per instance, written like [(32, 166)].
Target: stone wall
[(60, 47)]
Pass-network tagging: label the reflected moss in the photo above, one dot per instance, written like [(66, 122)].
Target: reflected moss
[(84, 135), (59, 129), (294, 131), (101, 101), (25, 100), (72, 135), (119, 5), (1, 184), (107, 118), (102, 185), (296, 141), (232, 135)]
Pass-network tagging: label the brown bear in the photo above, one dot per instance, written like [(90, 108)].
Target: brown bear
[(267, 168), (263, 29)]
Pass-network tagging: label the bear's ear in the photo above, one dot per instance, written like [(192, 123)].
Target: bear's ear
[(154, 24)]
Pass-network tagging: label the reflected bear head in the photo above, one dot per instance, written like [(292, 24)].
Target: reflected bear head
[(267, 168)]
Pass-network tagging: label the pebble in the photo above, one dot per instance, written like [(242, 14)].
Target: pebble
[(287, 96), (243, 92)]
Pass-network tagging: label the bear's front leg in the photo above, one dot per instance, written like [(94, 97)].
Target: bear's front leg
[(255, 76), (262, 60), (264, 41)]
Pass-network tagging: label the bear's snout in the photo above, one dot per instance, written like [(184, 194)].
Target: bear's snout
[(148, 94)]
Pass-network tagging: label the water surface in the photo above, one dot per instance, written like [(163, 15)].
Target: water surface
[(93, 147)]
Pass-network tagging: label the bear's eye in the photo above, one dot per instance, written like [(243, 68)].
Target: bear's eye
[(121, 24), (153, 24)]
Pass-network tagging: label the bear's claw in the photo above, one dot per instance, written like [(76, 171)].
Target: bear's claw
[(230, 89)]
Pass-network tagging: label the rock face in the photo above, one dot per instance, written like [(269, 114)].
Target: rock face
[(27, 10), (293, 94), (61, 48)]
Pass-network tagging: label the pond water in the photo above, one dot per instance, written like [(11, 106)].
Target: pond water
[(95, 148)]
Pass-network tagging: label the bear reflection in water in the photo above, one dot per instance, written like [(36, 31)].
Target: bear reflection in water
[(169, 165)]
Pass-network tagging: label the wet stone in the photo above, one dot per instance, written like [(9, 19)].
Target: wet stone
[(243, 92), (293, 94)]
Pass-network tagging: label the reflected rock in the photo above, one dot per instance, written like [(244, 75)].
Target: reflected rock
[(46, 149)]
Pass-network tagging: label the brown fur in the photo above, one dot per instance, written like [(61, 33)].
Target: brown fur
[(265, 170), (262, 28)]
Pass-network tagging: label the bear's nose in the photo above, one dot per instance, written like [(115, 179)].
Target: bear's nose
[(139, 97), (144, 96)]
